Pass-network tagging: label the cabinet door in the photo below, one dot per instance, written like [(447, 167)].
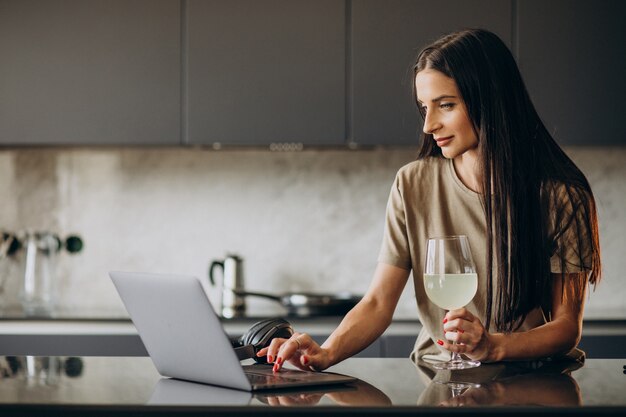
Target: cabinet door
[(606, 346), (386, 38), (372, 351), (260, 72), (572, 58), (397, 346), (89, 72)]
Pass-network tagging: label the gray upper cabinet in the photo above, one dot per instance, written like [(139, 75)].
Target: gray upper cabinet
[(572, 58), (248, 72), (261, 72), (386, 38), (89, 72)]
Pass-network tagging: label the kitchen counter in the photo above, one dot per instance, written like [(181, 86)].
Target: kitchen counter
[(126, 386), (118, 337)]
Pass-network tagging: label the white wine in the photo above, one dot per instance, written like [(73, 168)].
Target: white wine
[(451, 291)]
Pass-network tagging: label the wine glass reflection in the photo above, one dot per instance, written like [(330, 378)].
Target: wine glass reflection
[(503, 384)]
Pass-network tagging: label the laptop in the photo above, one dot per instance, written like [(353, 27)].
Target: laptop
[(185, 338)]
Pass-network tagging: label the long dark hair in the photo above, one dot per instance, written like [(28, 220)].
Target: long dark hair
[(537, 203)]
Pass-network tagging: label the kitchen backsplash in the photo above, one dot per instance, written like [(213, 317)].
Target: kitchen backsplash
[(303, 221)]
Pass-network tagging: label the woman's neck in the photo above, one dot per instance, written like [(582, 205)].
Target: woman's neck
[(467, 169)]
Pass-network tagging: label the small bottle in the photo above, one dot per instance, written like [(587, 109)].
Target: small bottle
[(38, 292)]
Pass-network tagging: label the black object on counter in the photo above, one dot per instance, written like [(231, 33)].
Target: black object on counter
[(260, 335), (310, 304)]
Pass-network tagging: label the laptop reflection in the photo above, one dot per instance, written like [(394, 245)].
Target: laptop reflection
[(168, 392)]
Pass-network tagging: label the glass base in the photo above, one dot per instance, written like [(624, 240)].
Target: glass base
[(458, 388), (458, 364)]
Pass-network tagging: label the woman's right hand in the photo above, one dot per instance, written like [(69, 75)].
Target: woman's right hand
[(300, 350)]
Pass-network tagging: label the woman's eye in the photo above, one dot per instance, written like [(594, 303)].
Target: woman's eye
[(446, 106)]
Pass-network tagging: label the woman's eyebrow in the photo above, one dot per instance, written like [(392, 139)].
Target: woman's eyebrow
[(439, 98)]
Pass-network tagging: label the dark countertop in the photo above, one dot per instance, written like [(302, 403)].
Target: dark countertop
[(126, 386)]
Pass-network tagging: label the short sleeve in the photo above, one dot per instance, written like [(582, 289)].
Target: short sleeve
[(395, 246), (570, 235)]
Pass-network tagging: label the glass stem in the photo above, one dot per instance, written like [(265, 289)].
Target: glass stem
[(455, 356)]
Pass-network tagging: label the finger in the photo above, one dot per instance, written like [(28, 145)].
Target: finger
[(310, 363), (464, 340), (287, 350), (444, 344), (456, 325), (288, 400), (302, 361), (312, 357), (273, 401), (274, 347), (296, 361), (452, 336), (296, 400), (460, 348), (462, 313), (299, 342), (456, 348), (309, 399)]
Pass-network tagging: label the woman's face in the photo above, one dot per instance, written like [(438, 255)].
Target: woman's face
[(446, 116)]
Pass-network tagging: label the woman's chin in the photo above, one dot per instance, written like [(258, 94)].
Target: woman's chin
[(448, 153)]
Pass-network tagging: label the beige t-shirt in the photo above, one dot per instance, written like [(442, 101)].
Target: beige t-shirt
[(428, 199)]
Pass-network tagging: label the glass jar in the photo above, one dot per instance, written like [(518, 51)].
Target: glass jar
[(38, 290)]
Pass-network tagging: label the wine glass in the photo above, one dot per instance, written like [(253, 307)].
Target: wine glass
[(451, 281)]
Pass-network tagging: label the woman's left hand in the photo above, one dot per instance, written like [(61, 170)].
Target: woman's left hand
[(471, 337)]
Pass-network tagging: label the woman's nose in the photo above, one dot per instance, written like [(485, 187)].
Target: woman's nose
[(431, 124)]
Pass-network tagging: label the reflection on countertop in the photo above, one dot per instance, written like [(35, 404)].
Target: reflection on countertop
[(533, 383), (40, 370), (382, 383), (183, 393)]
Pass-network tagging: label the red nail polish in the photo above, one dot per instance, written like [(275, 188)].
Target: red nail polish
[(440, 343), (461, 331), (279, 360), (270, 358), (445, 320), (275, 368), (305, 360)]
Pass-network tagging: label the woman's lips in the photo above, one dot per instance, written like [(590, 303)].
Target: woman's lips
[(443, 141)]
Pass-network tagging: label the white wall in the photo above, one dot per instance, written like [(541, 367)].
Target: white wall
[(307, 221)]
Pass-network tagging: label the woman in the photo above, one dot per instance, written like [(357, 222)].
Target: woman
[(486, 159)]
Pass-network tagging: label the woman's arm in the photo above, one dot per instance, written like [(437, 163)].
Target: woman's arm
[(359, 328), (371, 317), (555, 337)]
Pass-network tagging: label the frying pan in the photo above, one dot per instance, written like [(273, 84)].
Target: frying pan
[(310, 304)]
